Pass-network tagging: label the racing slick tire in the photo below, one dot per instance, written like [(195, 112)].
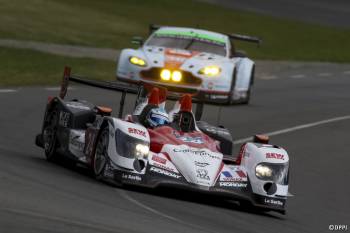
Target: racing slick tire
[(50, 135), (100, 158)]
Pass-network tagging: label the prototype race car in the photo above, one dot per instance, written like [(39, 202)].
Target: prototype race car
[(191, 60), (180, 153)]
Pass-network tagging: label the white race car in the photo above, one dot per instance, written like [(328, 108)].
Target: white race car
[(191, 60), (179, 152)]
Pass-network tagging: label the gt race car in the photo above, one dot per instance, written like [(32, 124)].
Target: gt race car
[(186, 153), (191, 59)]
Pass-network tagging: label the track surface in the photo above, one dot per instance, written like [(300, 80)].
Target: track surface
[(335, 13), (38, 196)]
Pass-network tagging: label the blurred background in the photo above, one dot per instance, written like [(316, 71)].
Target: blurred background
[(314, 30)]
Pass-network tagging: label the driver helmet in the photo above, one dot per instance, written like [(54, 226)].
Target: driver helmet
[(157, 117)]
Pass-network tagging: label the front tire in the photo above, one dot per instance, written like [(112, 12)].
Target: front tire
[(50, 135), (100, 158)]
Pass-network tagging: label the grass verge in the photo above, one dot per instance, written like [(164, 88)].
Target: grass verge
[(20, 67), (111, 23)]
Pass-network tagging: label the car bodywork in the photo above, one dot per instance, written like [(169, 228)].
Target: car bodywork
[(123, 151), (208, 62)]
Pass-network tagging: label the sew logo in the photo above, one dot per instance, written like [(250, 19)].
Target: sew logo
[(137, 131), (274, 156)]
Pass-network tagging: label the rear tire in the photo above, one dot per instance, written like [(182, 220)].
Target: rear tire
[(50, 135), (100, 158)]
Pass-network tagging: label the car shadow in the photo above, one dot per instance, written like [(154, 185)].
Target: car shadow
[(200, 198), (170, 193)]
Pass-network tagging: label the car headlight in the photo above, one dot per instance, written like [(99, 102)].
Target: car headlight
[(210, 71), (141, 150), (175, 75), (165, 75), (137, 61), (262, 171)]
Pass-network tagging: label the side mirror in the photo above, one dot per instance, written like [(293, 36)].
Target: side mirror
[(138, 40), (261, 138)]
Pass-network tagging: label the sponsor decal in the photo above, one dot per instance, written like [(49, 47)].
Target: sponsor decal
[(274, 156), (227, 176), (131, 177), (219, 96), (175, 58), (164, 167), (77, 106), (76, 144), (158, 159), (241, 174), (64, 119), (235, 174), (233, 184), (196, 140), (163, 172), (197, 152), (137, 132), (273, 202), (200, 164), (202, 174)]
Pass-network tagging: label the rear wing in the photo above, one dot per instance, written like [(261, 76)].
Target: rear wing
[(140, 90), (245, 38), (153, 27), (233, 36)]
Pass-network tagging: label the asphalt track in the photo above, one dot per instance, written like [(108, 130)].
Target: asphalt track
[(37, 196), (335, 13)]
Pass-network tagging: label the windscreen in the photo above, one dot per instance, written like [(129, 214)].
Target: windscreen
[(188, 41)]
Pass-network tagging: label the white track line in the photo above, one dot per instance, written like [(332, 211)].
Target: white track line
[(7, 90), (298, 76), (324, 74), (150, 209), (295, 128), (347, 72)]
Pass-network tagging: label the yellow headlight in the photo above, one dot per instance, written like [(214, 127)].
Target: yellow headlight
[(210, 71), (165, 75), (137, 61), (176, 76)]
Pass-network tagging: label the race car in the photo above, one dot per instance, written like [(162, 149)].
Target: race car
[(176, 151), (191, 60)]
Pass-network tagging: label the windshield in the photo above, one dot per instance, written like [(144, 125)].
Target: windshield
[(188, 42)]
